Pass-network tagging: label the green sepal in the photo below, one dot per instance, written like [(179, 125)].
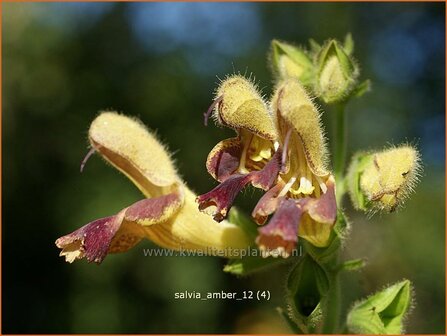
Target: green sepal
[(352, 265), (361, 89), (348, 44), (307, 286), (358, 163), (238, 218), (291, 61), (315, 47), (383, 312)]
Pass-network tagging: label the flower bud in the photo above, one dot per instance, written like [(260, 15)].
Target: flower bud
[(383, 180), (336, 73), (290, 61)]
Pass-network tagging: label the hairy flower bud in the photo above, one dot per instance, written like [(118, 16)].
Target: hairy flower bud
[(336, 74), (290, 61), (383, 180)]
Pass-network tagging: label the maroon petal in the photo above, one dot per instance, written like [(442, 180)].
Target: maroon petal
[(280, 235), (267, 176), (324, 208), (120, 232), (223, 195), (154, 210), (91, 241), (126, 238), (223, 160), (267, 204)]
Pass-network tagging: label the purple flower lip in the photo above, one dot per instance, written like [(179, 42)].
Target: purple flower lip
[(281, 233), (117, 233), (267, 204), (225, 193)]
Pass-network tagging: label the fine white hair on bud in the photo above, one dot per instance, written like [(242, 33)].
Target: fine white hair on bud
[(384, 180), (336, 74)]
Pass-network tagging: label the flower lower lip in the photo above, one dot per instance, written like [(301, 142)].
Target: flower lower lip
[(225, 193)]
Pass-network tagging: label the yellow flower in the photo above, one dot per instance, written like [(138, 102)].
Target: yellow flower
[(168, 216), (300, 190)]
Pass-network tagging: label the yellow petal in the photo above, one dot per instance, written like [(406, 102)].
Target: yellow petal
[(293, 107), (191, 229), (129, 147), (316, 233), (243, 107)]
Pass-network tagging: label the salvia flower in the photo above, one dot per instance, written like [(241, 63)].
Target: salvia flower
[(168, 216), (383, 180), (300, 190)]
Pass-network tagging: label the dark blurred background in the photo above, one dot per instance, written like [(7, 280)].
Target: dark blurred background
[(62, 63)]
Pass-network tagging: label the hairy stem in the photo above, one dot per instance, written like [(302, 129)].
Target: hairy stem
[(339, 148), (333, 303)]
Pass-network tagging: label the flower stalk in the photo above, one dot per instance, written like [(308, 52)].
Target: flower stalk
[(332, 313)]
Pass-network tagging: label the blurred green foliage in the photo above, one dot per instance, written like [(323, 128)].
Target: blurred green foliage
[(62, 63)]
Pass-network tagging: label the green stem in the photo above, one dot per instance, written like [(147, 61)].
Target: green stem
[(333, 299), (292, 325), (332, 311), (339, 148)]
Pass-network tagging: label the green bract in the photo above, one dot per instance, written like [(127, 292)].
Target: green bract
[(307, 286), (383, 312), (358, 163)]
